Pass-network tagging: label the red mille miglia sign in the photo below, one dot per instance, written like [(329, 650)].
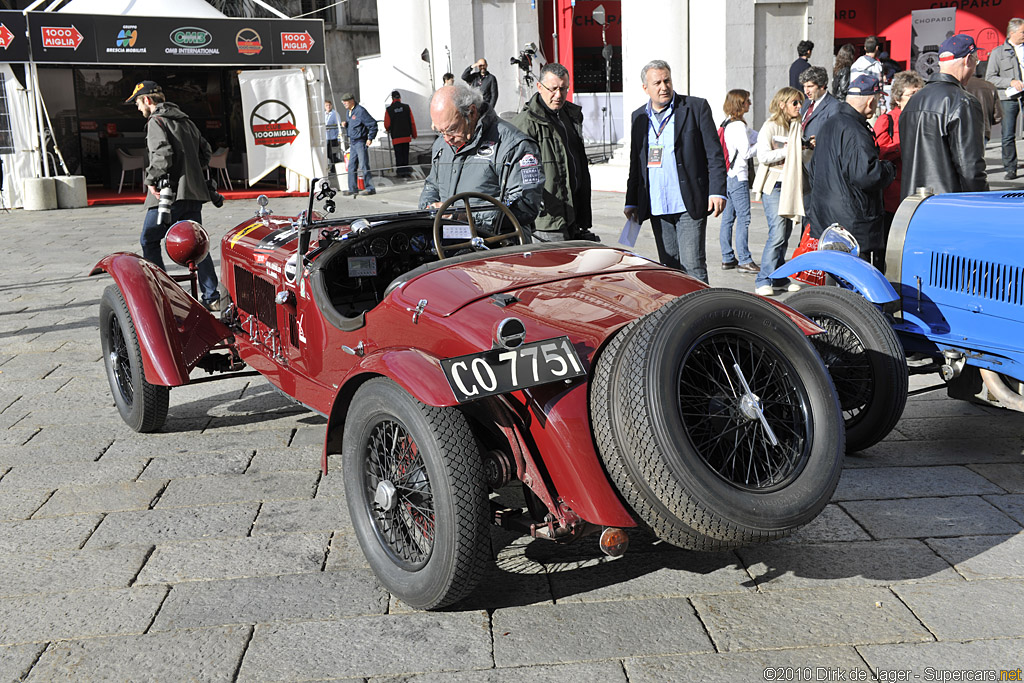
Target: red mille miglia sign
[(296, 42), (61, 36), (6, 37)]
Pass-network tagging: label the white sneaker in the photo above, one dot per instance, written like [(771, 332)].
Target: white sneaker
[(794, 287), (765, 290)]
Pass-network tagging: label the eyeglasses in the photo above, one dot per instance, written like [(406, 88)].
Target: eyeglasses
[(449, 132), (562, 90)]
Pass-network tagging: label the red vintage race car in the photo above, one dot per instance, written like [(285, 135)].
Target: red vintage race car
[(617, 392)]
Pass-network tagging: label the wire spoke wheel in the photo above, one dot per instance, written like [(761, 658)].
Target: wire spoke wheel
[(399, 492), (727, 424), (120, 361), (847, 361)]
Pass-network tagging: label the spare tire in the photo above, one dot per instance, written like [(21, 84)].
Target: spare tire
[(717, 421)]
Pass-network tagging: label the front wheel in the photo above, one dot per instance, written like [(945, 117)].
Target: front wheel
[(864, 357), (143, 406), (414, 480)]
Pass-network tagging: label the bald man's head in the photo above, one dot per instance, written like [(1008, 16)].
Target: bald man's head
[(454, 112)]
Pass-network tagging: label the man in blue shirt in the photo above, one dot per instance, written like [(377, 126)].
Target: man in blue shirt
[(676, 171), (332, 122), (362, 130)]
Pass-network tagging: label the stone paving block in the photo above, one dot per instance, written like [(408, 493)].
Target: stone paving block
[(284, 459), (835, 564), (70, 474), (983, 609), (808, 618), (198, 465), (925, 517), (39, 453), (505, 584), (605, 672), (729, 667), (17, 436), (239, 489), (311, 434), (16, 660), (290, 516), (155, 527), (937, 407), (67, 570), (199, 655), (647, 575), (316, 596), (332, 484), (1009, 476), (235, 558), (943, 657), (369, 646), (18, 505), (80, 500), (80, 614), (947, 451), (219, 439), (910, 482), (593, 631), (1008, 424), (345, 552), (1012, 505), (983, 557), (833, 524), (42, 535)]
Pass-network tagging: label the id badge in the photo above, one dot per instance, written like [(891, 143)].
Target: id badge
[(654, 153)]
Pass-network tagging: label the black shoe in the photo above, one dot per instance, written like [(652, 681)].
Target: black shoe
[(370, 191), (729, 265), (587, 235), (1010, 175), (212, 306), (749, 267), (346, 193)]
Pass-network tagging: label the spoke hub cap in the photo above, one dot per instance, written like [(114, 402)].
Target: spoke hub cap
[(385, 496), (750, 407)]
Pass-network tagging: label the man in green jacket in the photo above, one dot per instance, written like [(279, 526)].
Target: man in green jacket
[(557, 125)]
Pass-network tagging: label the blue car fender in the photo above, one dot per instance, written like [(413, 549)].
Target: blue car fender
[(852, 272)]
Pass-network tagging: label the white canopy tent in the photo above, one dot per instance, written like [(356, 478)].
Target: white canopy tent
[(144, 8)]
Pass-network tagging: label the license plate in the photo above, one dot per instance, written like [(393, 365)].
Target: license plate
[(500, 371)]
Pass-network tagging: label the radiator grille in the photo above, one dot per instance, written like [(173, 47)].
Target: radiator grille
[(1012, 195), (256, 296), (985, 279)]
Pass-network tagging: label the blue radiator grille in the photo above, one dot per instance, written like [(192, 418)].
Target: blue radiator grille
[(995, 281)]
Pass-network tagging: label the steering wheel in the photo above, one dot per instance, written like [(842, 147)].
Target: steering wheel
[(475, 239)]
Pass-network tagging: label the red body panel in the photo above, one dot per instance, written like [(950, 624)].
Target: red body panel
[(174, 330)]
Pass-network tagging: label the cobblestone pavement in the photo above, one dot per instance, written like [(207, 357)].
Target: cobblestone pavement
[(215, 550)]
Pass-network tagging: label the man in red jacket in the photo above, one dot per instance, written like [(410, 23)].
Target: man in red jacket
[(399, 122)]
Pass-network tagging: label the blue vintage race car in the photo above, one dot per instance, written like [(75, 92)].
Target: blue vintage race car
[(951, 299)]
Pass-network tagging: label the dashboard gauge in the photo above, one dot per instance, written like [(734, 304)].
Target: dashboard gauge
[(379, 247), (418, 243), (360, 250), (399, 242)]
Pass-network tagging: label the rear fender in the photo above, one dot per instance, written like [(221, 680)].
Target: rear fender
[(855, 273), (417, 372), (174, 329)]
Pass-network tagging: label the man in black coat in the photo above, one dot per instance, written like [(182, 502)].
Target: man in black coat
[(847, 177), (803, 61), (676, 171), (480, 78)]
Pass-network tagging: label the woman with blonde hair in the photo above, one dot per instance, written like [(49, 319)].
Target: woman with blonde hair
[(739, 147), (779, 184)]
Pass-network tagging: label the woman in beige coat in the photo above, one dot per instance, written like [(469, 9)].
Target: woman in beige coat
[(779, 184)]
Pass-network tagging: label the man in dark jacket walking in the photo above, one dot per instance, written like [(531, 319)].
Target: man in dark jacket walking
[(847, 176), (362, 130), (557, 126), (480, 78), (400, 123), (178, 153), (676, 171), (1006, 73), (941, 127)]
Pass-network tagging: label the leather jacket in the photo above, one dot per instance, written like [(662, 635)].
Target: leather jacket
[(941, 139)]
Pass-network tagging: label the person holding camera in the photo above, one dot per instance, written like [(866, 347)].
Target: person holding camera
[(178, 187), (478, 77)]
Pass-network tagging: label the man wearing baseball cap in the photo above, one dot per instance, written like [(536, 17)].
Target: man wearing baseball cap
[(941, 127), (178, 153), (847, 176)]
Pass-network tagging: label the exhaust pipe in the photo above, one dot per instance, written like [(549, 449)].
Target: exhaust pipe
[(995, 384)]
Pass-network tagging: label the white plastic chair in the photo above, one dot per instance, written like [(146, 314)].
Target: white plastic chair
[(219, 161), (129, 162)]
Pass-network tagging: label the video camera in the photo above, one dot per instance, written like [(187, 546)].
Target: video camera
[(525, 58)]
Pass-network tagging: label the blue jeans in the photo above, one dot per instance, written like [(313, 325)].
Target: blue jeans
[(1011, 109), (153, 233), (779, 229), (358, 159), (737, 209), (680, 242)]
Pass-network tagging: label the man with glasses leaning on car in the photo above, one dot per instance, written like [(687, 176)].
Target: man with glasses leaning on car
[(475, 151)]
